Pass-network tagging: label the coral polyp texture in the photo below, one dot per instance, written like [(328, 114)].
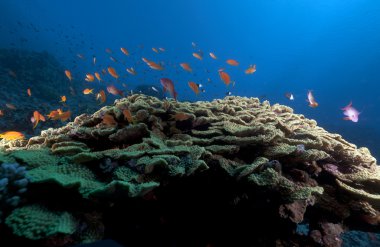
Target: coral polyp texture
[(143, 165)]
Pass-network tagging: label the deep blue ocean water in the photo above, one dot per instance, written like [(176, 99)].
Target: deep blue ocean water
[(328, 46)]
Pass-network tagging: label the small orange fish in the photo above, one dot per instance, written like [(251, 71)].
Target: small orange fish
[(155, 66), (113, 90), (102, 96), (232, 62), (152, 64), (128, 116), (197, 55), (131, 71), (161, 49), (64, 115), (97, 75), (29, 92), (186, 67), (109, 120), (212, 55), (181, 116), (37, 117), (194, 87), (125, 51), (90, 78), (155, 50), (63, 99), (112, 72), (68, 74), (12, 135), (1, 113), (59, 114), (225, 77), (87, 91), (311, 100), (10, 106), (251, 69)]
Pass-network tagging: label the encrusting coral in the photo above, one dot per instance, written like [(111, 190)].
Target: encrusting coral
[(264, 152)]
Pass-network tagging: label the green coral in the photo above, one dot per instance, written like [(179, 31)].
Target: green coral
[(35, 158), (68, 176), (37, 222)]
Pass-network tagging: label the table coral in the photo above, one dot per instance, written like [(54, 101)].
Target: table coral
[(289, 169)]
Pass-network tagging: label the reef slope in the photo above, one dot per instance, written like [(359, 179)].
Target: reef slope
[(192, 174)]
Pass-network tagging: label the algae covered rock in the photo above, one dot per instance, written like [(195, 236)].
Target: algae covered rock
[(279, 163)]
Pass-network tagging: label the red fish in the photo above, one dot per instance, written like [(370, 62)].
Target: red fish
[(168, 85), (311, 100), (232, 62), (194, 87), (224, 77), (351, 113), (112, 72), (113, 90), (251, 69)]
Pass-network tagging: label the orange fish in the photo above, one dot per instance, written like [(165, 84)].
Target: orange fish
[(59, 114), (194, 87), (131, 71), (112, 72), (155, 50), (251, 69), (197, 55), (97, 75), (63, 99), (161, 49), (68, 74), (1, 113), (12, 135), (113, 90), (212, 55), (102, 96), (181, 116), (152, 64), (128, 115), (225, 77), (89, 77), (64, 115), (125, 51), (232, 62), (37, 117), (108, 119), (29, 92), (87, 91), (311, 100), (11, 106), (186, 67)]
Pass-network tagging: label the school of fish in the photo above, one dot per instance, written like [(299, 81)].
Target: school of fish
[(168, 85)]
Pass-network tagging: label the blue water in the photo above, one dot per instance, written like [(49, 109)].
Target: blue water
[(328, 46)]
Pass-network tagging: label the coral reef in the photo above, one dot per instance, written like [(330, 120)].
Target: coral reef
[(173, 168)]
